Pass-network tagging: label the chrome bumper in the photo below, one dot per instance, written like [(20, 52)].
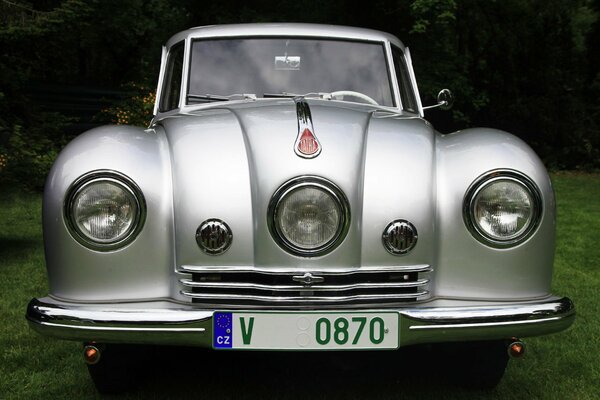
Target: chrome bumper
[(163, 322)]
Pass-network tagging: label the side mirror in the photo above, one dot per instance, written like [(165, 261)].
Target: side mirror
[(445, 100)]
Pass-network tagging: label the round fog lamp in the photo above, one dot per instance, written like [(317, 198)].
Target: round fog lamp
[(309, 216)]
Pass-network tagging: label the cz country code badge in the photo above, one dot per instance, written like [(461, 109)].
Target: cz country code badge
[(223, 330)]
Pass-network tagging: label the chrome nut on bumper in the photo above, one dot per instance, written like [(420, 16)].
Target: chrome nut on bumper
[(163, 322)]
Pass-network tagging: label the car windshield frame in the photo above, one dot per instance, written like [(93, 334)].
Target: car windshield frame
[(390, 77)]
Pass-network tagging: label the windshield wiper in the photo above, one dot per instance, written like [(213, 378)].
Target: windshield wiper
[(282, 94), (292, 95), (217, 97), (207, 97)]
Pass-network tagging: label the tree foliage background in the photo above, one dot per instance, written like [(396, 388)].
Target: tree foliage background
[(531, 67)]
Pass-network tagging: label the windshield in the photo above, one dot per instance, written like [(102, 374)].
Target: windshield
[(267, 67)]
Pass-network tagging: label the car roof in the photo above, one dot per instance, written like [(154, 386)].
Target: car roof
[(285, 29)]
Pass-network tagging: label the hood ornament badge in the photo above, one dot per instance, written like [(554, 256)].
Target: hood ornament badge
[(307, 279), (307, 145)]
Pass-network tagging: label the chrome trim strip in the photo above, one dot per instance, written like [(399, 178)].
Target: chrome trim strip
[(279, 271), (172, 323), (303, 299), (185, 74), (125, 329), (413, 81), (393, 76), (163, 65), (314, 287), (484, 324), (285, 30)]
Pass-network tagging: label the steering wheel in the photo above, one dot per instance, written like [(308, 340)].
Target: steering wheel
[(352, 93)]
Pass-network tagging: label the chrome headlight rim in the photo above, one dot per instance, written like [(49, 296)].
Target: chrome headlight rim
[(485, 181), (124, 182), (303, 182)]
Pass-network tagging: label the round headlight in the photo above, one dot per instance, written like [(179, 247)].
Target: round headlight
[(308, 216), (503, 208), (104, 210)]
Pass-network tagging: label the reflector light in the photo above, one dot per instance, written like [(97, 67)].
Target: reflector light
[(516, 349), (91, 355)]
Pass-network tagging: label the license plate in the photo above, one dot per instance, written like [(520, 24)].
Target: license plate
[(305, 331)]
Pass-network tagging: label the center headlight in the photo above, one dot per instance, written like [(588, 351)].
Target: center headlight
[(308, 216), (104, 210), (503, 208)]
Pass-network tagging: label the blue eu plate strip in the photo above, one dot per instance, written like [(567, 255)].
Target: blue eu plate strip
[(222, 330)]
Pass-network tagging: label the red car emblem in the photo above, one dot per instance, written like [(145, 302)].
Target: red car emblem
[(307, 145)]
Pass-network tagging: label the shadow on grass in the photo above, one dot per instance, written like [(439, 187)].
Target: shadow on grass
[(13, 249), (411, 372)]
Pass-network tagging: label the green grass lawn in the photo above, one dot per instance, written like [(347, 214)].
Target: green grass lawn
[(561, 366)]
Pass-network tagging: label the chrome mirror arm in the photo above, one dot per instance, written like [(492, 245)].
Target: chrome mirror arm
[(445, 100), (441, 104)]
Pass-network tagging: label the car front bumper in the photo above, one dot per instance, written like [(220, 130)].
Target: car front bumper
[(164, 322)]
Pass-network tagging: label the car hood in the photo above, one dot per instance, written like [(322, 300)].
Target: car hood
[(228, 160)]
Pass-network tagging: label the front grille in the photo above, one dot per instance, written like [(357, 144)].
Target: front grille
[(243, 286)]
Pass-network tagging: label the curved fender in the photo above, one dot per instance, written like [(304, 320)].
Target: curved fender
[(143, 268), (467, 268)]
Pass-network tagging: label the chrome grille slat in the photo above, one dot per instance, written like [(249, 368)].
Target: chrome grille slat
[(302, 299), (317, 287), (287, 271), (241, 286)]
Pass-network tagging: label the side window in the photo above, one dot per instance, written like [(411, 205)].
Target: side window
[(172, 81), (407, 94)]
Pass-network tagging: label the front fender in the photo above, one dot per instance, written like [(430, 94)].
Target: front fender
[(467, 268), (138, 270)]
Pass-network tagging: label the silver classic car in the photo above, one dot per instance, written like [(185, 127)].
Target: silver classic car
[(289, 195)]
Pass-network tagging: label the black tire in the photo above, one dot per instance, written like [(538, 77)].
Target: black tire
[(117, 371), (478, 365)]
